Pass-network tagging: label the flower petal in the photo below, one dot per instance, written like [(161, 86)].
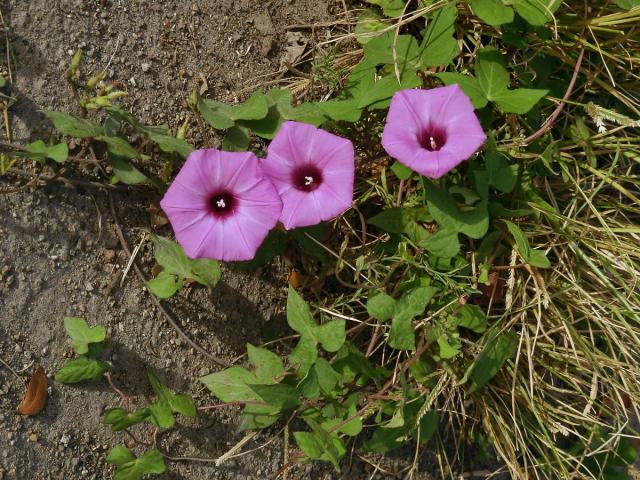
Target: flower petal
[(445, 113), (299, 145)]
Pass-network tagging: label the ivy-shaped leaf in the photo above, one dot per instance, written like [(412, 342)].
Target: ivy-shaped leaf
[(473, 222), (536, 12), (409, 306), (168, 403), (391, 8), (493, 79), (492, 12), (119, 419), (369, 22), (439, 45), (320, 444), (172, 258), (128, 467), (38, 150), (81, 334), (330, 335), (469, 85)]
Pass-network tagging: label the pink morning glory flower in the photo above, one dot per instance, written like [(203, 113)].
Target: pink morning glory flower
[(313, 172), (221, 206), (432, 131)]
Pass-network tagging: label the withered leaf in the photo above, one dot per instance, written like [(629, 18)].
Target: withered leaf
[(296, 279), (35, 398)]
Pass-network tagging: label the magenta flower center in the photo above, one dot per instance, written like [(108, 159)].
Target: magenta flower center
[(221, 204), (307, 178), (432, 138)]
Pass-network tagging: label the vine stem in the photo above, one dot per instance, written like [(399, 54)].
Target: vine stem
[(158, 304), (548, 123), (124, 398)]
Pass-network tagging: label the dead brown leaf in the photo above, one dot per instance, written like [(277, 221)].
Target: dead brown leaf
[(35, 398), (296, 279)]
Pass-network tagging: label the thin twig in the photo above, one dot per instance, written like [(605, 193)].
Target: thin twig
[(548, 123)]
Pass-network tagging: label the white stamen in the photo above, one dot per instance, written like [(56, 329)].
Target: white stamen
[(432, 142), (221, 203), (308, 180)]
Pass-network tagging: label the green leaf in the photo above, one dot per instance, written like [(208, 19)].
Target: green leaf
[(497, 351), (379, 96), (391, 8), (500, 174), (443, 243), (492, 12), (381, 307), (166, 142), (267, 364), (439, 45), (3, 81), (521, 240), (73, 126), (627, 4), (369, 22), (119, 146), (398, 219), (126, 172), (388, 49), (328, 378), (284, 397), (120, 419), (80, 369), (401, 171), (539, 259), (449, 346), (168, 403), (38, 150), (82, 335), (307, 112), (409, 306), (330, 335), (473, 222), (536, 12), (172, 258), (469, 85), (491, 72), (519, 100), (362, 78), (320, 445), (266, 127), (236, 139), (165, 285), (255, 108), (231, 384), (304, 354), (131, 468), (472, 317), (120, 455), (341, 110), (217, 114)]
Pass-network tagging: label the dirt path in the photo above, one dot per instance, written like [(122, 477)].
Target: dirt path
[(60, 254)]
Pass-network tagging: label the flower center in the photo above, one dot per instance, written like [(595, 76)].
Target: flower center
[(307, 178), (432, 138), (221, 204)]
